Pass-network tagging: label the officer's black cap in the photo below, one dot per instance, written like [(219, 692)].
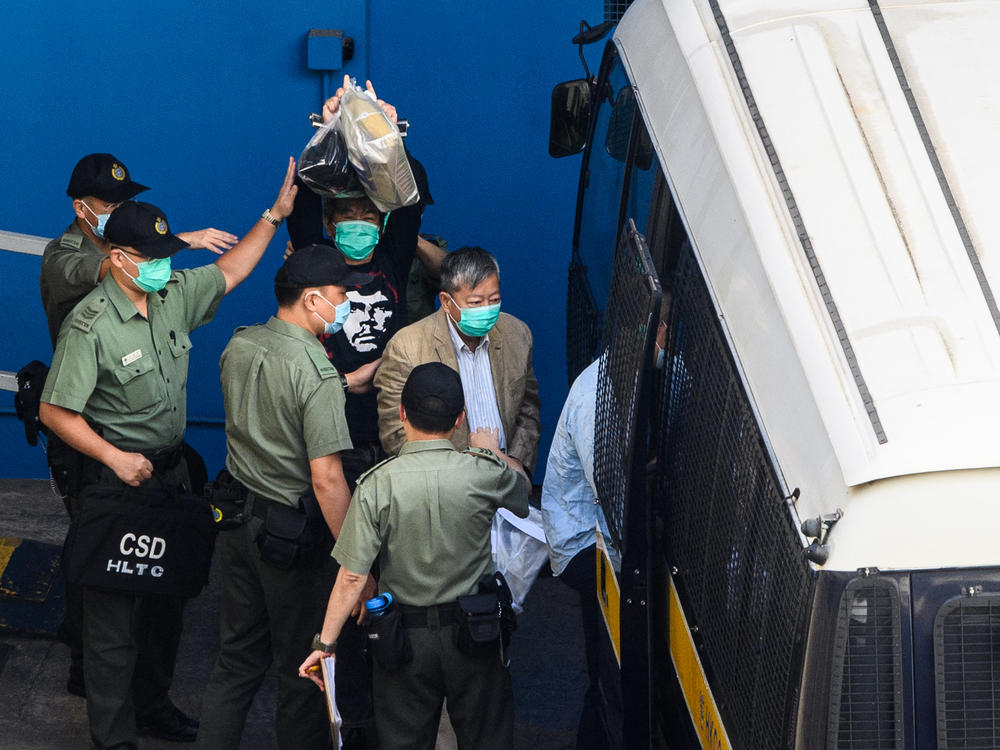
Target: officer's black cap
[(434, 390), (144, 227), (318, 265), (104, 177)]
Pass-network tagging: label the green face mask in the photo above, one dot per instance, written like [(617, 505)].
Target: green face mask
[(153, 274), (477, 321), (355, 239)]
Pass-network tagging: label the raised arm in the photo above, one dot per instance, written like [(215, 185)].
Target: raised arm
[(237, 264)]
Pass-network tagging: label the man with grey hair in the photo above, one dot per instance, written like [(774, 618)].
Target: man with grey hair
[(490, 350)]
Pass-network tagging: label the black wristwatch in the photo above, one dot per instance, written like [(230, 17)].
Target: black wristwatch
[(326, 648), (343, 381)]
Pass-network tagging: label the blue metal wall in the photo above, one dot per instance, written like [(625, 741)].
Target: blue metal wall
[(204, 101)]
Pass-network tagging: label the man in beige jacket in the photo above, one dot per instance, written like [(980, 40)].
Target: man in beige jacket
[(490, 350)]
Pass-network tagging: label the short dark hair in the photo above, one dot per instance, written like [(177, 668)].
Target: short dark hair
[(331, 205), (287, 295), (433, 397), (468, 266)]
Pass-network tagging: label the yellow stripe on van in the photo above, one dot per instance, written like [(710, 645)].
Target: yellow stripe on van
[(700, 701), (609, 596)]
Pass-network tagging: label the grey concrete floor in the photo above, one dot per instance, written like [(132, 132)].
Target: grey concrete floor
[(548, 668)]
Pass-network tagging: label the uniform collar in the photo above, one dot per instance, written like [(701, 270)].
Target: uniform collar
[(126, 308), (290, 329), (415, 446)]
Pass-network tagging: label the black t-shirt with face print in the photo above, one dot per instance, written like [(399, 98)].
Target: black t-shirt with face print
[(378, 309)]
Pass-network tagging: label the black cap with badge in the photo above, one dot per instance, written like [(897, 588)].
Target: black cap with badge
[(143, 227), (104, 177), (318, 265), (433, 390)]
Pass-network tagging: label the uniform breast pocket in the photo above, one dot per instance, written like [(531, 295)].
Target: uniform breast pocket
[(180, 348), (140, 384)]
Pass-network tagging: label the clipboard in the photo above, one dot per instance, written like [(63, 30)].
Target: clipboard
[(328, 666)]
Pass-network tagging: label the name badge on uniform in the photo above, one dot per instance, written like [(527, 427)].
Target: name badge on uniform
[(130, 358)]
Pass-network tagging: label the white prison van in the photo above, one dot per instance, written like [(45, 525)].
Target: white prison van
[(807, 496)]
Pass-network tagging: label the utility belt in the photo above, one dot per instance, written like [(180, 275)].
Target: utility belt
[(72, 470), (483, 623), (290, 536)]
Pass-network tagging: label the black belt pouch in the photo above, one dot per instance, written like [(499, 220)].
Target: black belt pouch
[(478, 629), (387, 640), (280, 537), (140, 541)]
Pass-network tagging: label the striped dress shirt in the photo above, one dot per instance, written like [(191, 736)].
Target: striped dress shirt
[(481, 408)]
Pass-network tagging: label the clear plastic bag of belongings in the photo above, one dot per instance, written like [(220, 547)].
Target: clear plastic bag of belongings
[(519, 551), (376, 151), (324, 165)]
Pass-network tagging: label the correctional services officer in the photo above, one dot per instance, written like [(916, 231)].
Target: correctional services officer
[(74, 263), (116, 394), (426, 515), (285, 430)]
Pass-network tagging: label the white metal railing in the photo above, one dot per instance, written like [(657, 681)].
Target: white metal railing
[(22, 243)]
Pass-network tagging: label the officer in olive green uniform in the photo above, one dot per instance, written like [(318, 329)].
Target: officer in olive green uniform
[(426, 515), (116, 393), (73, 264), (285, 427)]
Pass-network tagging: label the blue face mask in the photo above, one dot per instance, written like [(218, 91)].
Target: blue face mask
[(477, 321), (102, 219), (340, 313), (355, 239), (153, 274)]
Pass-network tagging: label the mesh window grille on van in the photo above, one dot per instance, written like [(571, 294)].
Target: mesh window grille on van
[(866, 695), (967, 668)]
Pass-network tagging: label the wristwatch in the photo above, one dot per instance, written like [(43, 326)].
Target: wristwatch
[(326, 648), (343, 380), (270, 218)]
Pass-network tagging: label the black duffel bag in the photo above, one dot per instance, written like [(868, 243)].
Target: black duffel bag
[(140, 540)]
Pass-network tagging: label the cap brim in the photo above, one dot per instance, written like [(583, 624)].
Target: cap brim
[(162, 248), (122, 193)]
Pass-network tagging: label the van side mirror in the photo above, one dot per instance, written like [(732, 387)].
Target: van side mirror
[(570, 117)]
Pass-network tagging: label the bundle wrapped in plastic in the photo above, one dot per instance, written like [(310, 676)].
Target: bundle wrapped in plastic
[(376, 151), (324, 164)]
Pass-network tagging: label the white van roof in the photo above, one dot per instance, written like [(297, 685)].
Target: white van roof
[(836, 167)]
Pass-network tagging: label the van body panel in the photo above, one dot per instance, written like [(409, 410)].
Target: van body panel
[(877, 220)]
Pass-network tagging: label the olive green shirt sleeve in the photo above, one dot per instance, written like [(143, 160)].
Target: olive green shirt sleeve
[(203, 290), (73, 374), (71, 267), (360, 537), (324, 426), (512, 492)]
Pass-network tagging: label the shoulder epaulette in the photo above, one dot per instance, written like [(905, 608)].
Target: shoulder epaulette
[(71, 240), (87, 315), (323, 365), (487, 454), (380, 463)]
